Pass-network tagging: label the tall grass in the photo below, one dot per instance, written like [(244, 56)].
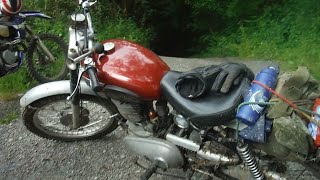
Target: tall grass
[(13, 84), (288, 33)]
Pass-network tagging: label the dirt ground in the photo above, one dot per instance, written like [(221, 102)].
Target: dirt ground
[(24, 155)]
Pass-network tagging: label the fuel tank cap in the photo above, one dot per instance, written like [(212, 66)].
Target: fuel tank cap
[(109, 46)]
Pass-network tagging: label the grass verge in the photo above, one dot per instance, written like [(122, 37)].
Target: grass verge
[(9, 117), (15, 83), (287, 33)]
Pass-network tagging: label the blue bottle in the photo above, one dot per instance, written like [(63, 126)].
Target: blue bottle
[(249, 114)]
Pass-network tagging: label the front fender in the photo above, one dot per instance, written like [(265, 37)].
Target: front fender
[(35, 14), (51, 89)]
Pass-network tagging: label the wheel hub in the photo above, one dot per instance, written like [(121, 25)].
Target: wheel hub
[(66, 117)]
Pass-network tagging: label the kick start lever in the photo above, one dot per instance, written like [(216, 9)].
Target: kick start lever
[(148, 173)]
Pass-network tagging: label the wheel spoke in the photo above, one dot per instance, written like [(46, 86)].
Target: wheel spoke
[(49, 117)]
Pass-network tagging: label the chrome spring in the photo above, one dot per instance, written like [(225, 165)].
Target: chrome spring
[(250, 161)]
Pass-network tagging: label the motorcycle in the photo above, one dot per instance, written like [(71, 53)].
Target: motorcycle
[(44, 59), (121, 83)]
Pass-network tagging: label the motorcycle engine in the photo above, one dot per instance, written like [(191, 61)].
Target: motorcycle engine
[(9, 58), (128, 110)]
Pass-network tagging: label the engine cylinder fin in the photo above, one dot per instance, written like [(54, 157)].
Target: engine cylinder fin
[(130, 111)]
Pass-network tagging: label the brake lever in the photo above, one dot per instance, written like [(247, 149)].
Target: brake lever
[(86, 4), (88, 62), (92, 3)]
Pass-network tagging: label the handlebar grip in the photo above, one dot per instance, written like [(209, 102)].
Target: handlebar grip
[(92, 72), (148, 173)]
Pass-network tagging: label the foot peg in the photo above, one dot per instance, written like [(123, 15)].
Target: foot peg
[(148, 173)]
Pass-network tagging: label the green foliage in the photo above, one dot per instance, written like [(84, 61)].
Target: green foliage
[(57, 9), (288, 33), (15, 83), (122, 28), (221, 15), (109, 18), (9, 117), (54, 8)]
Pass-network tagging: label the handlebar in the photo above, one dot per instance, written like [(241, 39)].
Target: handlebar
[(81, 1), (87, 3), (99, 49), (91, 70), (89, 67), (94, 83)]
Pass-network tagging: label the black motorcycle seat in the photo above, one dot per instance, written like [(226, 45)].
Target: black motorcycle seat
[(210, 110)]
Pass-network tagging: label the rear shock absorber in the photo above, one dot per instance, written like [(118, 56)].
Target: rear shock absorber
[(250, 161)]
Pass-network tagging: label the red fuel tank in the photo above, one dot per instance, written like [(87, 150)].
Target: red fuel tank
[(133, 67)]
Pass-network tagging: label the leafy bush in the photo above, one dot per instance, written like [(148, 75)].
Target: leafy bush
[(287, 33), (108, 17), (123, 28), (57, 9)]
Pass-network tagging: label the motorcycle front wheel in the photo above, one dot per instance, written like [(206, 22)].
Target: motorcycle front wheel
[(40, 67), (51, 118)]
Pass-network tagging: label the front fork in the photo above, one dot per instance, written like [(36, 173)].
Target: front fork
[(39, 44), (75, 98), (46, 51)]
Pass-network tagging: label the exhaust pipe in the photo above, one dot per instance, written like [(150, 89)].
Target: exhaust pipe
[(182, 142), (220, 158), (273, 175), (205, 154)]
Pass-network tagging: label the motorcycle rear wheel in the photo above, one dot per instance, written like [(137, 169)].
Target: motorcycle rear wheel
[(39, 66), (50, 118)]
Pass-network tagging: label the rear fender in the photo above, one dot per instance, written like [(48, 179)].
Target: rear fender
[(53, 88)]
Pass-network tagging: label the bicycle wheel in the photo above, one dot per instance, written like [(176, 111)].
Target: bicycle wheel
[(39, 66), (51, 118)]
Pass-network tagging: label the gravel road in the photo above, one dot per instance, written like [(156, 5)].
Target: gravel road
[(23, 155)]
